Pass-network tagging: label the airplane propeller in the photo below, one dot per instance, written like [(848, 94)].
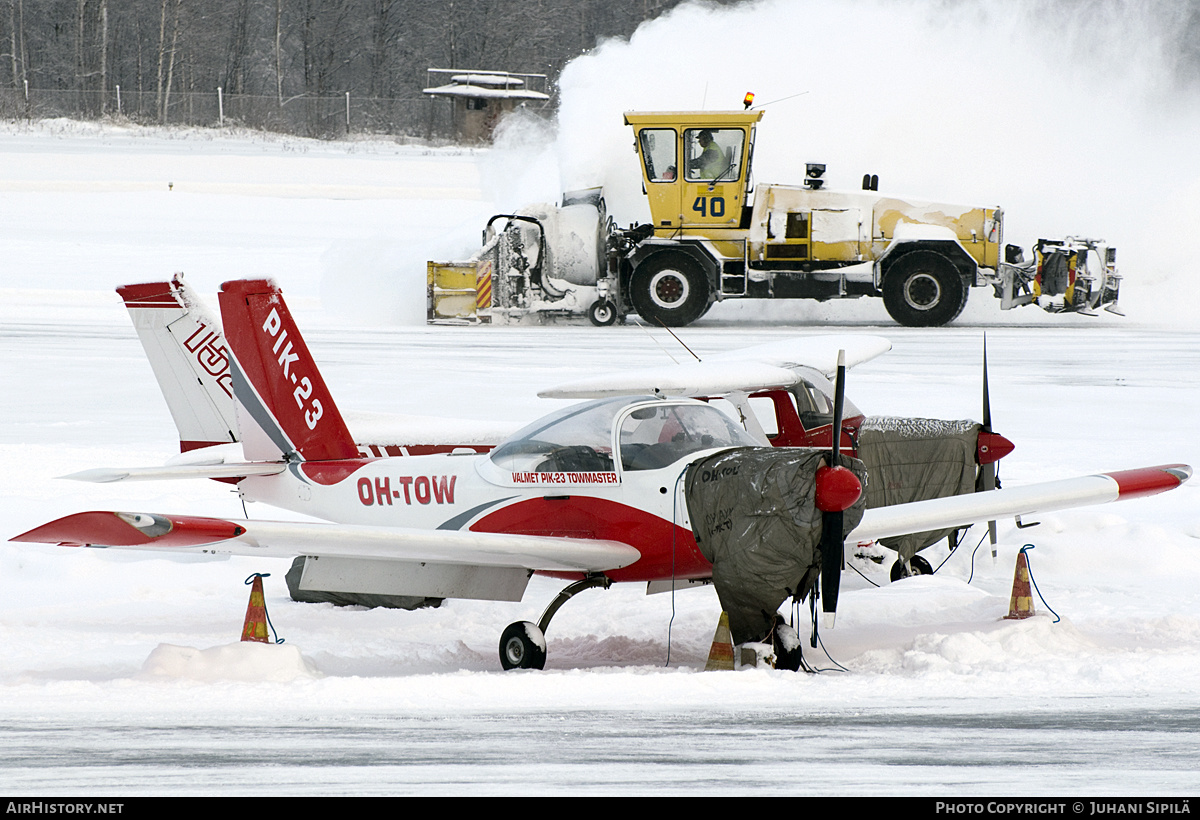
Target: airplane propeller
[(837, 488), (991, 449)]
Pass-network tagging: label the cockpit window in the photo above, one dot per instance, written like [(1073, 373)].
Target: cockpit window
[(656, 435), (576, 438), (814, 407), (814, 401)]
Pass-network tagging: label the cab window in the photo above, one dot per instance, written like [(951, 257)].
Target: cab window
[(713, 154), (659, 154)]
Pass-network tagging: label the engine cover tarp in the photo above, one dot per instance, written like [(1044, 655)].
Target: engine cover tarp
[(754, 519), (914, 460)]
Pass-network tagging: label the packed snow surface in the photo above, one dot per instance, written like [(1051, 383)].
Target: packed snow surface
[(121, 673)]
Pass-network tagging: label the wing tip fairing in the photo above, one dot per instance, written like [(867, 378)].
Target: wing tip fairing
[(1145, 481)]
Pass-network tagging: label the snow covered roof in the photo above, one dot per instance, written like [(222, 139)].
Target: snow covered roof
[(457, 90), (506, 80), (490, 84)]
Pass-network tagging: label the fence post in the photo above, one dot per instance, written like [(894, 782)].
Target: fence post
[(118, 99), (347, 112), (220, 107)]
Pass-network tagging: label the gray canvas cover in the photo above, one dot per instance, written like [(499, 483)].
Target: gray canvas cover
[(914, 460), (754, 518)]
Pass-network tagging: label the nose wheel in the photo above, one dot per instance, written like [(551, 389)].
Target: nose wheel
[(523, 644)]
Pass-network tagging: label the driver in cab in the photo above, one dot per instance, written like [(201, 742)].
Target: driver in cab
[(711, 160)]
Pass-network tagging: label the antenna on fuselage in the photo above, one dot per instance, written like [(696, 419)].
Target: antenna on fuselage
[(651, 335), (676, 338)]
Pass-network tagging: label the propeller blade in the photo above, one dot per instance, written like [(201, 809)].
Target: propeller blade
[(987, 473), (832, 548), (832, 541), (839, 405), (987, 402)]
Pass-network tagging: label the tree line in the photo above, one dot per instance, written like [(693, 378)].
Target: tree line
[(280, 62)]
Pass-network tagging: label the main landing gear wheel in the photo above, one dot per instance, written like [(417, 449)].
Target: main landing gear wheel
[(669, 288), (916, 566), (602, 313), (924, 289), (523, 646)]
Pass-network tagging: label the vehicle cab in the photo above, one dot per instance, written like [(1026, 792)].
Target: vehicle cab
[(695, 168)]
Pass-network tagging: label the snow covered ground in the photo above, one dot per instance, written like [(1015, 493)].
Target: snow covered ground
[(120, 673), (117, 672)]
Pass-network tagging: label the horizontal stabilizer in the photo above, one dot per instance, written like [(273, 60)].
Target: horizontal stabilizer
[(285, 539), (963, 510), (107, 475)]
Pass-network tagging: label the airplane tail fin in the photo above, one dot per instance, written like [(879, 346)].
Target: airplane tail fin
[(189, 357), (284, 407)]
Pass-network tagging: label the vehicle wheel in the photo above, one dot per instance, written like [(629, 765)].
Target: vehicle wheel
[(916, 566), (669, 288), (602, 313), (786, 643), (523, 646), (924, 289)]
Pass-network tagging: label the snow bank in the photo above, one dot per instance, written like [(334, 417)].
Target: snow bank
[(247, 661)]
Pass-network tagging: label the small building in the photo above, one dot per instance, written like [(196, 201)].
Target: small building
[(480, 98)]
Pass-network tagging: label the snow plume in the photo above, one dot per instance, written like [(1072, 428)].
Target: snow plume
[(1078, 117), (521, 169), (381, 280)]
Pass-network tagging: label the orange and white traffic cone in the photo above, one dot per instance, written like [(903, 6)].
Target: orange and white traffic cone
[(720, 657), (1022, 596), (255, 628)]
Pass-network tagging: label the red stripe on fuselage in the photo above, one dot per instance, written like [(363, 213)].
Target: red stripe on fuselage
[(668, 551), (329, 473), (1149, 480)]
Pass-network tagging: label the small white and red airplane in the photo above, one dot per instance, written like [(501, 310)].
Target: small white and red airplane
[(595, 493)]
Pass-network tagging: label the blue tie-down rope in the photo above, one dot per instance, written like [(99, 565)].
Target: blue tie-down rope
[(250, 580), (1025, 549)]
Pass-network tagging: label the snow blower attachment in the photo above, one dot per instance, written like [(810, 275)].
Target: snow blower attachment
[(1066, 276), (543, 261), (715, 236)]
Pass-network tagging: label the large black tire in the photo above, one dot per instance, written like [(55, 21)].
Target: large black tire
[(789, 653), (670, 288), (916, 566), (523, 646), (924, 289)]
